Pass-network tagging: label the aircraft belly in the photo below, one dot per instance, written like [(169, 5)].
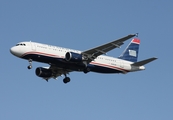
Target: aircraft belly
[(101, 69), (61, 63)]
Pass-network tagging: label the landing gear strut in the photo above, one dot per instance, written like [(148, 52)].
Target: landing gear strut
[(30, 64)]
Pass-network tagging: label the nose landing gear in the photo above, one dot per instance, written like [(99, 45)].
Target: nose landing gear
[(30, 64)]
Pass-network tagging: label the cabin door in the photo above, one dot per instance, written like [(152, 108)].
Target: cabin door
[(121, 64), (33, 47)]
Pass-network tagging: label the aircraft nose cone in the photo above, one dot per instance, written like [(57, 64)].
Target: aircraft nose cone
[(15, 51), (12, 50)]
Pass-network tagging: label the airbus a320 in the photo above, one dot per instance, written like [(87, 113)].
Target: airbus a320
[(62, 60)]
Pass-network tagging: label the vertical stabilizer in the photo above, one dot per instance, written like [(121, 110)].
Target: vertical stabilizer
[(131, 52)]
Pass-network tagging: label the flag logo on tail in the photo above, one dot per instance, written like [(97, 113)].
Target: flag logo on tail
[(131, 52)]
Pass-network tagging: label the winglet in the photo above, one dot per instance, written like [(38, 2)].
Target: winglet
[(136, 34)]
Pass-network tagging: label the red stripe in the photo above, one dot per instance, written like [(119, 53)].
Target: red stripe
[(40, 53), (136, 40)]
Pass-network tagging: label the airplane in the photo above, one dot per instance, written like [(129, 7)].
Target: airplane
[(62, 60)]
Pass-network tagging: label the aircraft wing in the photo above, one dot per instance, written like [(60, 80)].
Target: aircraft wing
[(91, 54)]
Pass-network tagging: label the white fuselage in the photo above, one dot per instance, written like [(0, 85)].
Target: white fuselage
[(24, 49)]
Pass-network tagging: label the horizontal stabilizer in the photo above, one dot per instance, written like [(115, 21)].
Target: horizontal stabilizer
[(143, 62)]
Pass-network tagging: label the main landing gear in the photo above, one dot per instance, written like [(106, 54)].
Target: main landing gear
[(30, 64), (86, 70), (66, 79)]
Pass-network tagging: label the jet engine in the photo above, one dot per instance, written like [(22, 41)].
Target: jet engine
[(73, 57), (43, 72)]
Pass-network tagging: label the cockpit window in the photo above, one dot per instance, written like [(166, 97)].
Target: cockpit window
[(21, 44)]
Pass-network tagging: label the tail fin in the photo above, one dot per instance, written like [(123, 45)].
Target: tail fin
[(131, 52)]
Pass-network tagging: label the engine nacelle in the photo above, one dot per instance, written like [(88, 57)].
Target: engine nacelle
[(43, 72), (73, 57)]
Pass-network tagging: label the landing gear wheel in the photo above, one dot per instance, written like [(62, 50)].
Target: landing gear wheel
[(29, 67), (30, 64), (66, 80), (86, 70)]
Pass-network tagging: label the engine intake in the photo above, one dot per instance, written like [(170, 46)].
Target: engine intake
[(43, 72), (73, 57)]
